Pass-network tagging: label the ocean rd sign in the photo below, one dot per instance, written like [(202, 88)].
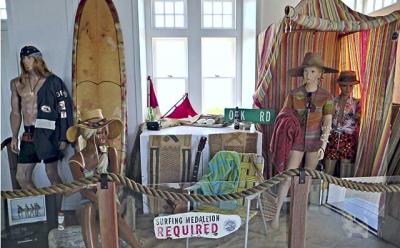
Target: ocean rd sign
[(260, 116), (192, 224)]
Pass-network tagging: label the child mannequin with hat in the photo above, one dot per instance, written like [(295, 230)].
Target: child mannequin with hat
[(343, 140), (96, 157), (313, 107)]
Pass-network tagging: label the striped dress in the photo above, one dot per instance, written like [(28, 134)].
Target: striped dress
[(321, 104)]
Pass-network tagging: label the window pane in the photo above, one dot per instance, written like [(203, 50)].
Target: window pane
[(159, 21), (159, 7), (207, 7), (170, 57), (217, 21), (359, 6), (349, 3), (369, 6), (179, 21), (169, 7), (3, 14), (3, 11), (214, 101), (378, 4), (227, 21), (217, 7), (218, 57), (388, 2), (169, 21), (207, 21), (179, 7), (227, 7), (169, 91)]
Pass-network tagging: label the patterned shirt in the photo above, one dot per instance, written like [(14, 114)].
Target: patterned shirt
[(320, 104), (351, 116)]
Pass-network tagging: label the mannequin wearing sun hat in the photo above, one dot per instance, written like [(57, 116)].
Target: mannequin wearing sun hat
[(314, 107), (96, 157), (343, 140)]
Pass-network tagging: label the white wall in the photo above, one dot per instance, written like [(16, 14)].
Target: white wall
[(6, 72), (48, 24), (249, 43)]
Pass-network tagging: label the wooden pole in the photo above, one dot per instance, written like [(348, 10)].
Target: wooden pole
[(108, 215), (298, 212)]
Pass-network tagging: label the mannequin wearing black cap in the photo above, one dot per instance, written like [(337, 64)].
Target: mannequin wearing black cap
[(40, 100)]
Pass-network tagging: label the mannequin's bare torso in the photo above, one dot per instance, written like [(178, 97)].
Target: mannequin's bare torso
[(26, 89)]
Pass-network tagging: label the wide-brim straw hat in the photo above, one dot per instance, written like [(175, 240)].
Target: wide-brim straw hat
[(347, 78), (94, 119), (311, 59)]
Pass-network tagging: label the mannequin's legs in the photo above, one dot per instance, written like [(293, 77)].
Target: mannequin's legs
[(346, 168), (89, 226), (330, 166), (24, 175), (311, 160), (52, 172), (54, 178), (294, 162)]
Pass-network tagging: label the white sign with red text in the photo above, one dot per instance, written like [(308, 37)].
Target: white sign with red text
[(195, 224)]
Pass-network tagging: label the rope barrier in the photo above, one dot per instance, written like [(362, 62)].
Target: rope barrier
[(164, 194)]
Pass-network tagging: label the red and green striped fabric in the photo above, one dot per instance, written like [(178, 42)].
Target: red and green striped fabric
[(347, 40)]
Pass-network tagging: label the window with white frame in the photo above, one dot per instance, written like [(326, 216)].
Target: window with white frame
[(375, 5), (350, 3), (169, 13), (389, 2), (3, 12), (368, 6), (218, 14), (218, 56), (170, 70), (208, 59)]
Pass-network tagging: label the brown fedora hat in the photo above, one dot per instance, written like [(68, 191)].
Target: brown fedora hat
[(311, 59), (347, 78), (94, 119)]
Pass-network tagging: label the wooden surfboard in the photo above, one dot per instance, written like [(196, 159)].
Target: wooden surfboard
[(98, 69)]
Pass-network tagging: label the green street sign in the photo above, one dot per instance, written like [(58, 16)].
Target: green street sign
[(261, 116)]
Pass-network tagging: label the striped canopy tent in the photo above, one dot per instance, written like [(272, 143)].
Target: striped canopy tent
[(347, 40)]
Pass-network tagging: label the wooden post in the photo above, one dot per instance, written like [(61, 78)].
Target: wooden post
[(108, 216), (298, 212)]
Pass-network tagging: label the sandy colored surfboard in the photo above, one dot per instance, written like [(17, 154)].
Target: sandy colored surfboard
[(98, 69)]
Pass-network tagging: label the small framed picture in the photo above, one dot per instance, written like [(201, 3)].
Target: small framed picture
[(26, 210)]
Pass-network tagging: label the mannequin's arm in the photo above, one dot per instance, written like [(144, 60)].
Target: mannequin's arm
[(15, 116), (326, 130), (113, 157)]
